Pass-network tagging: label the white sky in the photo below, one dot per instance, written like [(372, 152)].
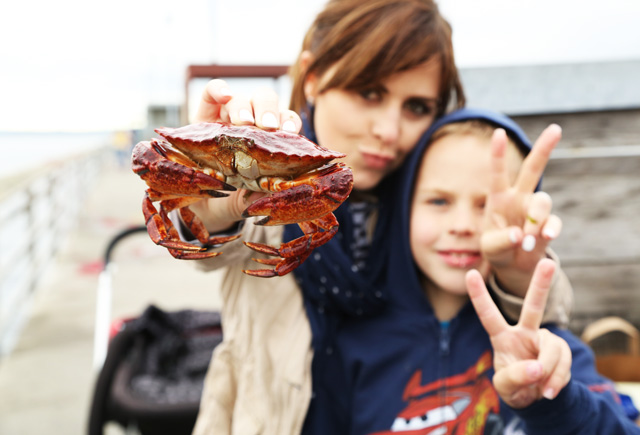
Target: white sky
[(85, 65)]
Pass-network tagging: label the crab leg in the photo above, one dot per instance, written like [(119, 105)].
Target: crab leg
[(296, 251), (163, 233)]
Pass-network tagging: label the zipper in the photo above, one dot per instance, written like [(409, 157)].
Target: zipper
[(444, 339)]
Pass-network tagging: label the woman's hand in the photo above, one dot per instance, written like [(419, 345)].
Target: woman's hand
[(529, 362), (518, 222), (219, 104)]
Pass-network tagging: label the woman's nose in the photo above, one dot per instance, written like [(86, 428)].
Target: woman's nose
[(386, 126)]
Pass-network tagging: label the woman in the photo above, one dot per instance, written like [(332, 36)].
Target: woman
[(371, 77)]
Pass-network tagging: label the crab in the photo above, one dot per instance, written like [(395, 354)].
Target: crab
[(203, 160)]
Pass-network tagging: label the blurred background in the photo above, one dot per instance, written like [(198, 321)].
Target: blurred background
[(82, 81)]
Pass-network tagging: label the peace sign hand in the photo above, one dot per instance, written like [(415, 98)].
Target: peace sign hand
[(529, 362), (518, 222)]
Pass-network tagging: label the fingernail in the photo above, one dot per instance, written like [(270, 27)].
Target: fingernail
[(534, 370), (225, 92), (513, 236), (269, 120), (289, 125), (245, 116), (528, 243), (549, 394), (549, 234)]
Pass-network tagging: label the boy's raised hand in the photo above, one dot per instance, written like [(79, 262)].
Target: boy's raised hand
[(529, 362), (518, 222)]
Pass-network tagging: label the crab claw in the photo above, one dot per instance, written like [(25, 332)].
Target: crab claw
[(309, 198), (169, 174)]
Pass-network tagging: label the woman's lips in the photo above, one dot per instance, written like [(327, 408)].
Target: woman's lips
[(460, 259), (376, 161)]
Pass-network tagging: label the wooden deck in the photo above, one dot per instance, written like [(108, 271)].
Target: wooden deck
[(598, 198)]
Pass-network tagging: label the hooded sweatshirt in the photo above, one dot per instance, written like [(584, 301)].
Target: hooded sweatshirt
[(395, 368)]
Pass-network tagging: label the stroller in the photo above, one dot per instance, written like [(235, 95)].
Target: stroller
[(152, 367)]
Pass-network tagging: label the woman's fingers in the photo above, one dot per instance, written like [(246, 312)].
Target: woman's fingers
[(498, 244), (266, 108), (290, 121), (552, 228), (215, 95), (219, 104), (240, 110), (538, 212), (499, 174), (488, 313), (534, 164)]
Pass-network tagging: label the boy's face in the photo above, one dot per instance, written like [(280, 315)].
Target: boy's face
[(448, 210)]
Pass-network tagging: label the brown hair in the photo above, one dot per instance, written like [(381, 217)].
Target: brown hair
[(370, 40)]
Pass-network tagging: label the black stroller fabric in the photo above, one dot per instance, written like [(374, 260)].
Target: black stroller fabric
[(154, 372)]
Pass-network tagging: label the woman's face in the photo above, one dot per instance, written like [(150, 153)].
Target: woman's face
[(377, 127)]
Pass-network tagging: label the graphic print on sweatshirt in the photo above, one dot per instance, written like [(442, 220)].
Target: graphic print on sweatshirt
[(461, 404)]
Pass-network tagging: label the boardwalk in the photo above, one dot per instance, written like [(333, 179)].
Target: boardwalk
[(47, 381)]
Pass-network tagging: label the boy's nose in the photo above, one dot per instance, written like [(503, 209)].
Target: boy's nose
[(463, 222)]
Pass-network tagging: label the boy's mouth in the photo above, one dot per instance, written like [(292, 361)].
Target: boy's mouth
[(460, 258)]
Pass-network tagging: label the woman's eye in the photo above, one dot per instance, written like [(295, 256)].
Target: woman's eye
[(372, 95), (419, 107)]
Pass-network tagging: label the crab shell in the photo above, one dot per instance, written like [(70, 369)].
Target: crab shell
[(248, 151)]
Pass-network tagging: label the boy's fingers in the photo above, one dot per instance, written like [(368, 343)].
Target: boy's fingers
[(518, 380), (555, 357), (538, 212), (488, 313), (536, 297), (536, 161)]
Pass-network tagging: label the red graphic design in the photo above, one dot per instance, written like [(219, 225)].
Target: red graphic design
[(460, 404)]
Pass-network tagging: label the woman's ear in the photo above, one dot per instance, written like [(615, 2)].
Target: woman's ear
[(311, 81)]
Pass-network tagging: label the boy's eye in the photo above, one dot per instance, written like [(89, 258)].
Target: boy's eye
[(420, 107), (438, 201), (371, 95)]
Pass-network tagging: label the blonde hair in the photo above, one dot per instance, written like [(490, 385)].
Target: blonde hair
[(369, 40), (481, 130)]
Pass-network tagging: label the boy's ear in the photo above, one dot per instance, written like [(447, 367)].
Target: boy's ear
[(311, 81)]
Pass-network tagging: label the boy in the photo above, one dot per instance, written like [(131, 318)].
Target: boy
[(425, 365)]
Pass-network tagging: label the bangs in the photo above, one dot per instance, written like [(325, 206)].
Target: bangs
[(386, 42)]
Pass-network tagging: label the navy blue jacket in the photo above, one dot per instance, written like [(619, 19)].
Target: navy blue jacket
[(383, 363)]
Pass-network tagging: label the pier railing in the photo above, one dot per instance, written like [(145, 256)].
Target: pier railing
[(37, 211)]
